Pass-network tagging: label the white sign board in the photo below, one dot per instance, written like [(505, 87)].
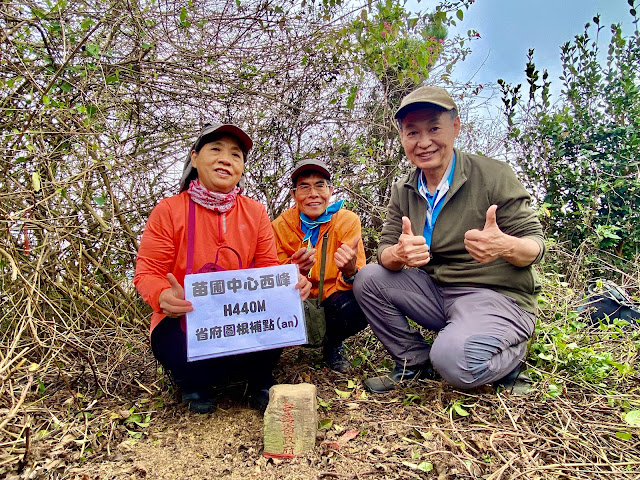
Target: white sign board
[(240, 311)]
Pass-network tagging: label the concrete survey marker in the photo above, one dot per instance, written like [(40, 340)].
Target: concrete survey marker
[(290, 421)]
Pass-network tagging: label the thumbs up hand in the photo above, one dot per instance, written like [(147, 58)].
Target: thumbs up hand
[(172, 300), (406, 227), (489, 243), (346, 256), (411, 250)]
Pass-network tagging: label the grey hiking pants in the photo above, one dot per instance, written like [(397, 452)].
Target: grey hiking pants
[(482, 334)]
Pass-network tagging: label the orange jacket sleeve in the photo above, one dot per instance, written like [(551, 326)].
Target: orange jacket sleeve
[(156, 256)]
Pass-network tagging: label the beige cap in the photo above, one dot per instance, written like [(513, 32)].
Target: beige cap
[(433, 95)]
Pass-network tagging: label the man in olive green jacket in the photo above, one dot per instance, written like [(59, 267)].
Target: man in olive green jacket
[(455, 256)]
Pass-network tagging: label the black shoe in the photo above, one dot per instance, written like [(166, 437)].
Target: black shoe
[(199, 401), (258, 391), (259, 399), (509, 379), (334, 357), (398, 376)]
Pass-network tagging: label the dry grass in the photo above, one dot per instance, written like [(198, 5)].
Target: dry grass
[(73, 411)]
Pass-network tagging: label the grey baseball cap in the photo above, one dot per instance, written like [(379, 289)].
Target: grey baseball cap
[(244, 140), (310, 165), (432, 95)]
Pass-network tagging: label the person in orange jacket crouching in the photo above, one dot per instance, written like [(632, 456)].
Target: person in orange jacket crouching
[(300, 232), (209, 226)]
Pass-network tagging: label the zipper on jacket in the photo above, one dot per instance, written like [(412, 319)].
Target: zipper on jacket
[(224, 223), (222, 227)]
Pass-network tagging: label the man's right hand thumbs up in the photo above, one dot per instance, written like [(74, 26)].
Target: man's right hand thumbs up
[(406, 226), (411, 250)]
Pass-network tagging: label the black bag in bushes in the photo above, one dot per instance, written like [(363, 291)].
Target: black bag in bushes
[(606, 300)]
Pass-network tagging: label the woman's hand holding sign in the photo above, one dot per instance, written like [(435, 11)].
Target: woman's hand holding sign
[(172, 300), (304, 285)]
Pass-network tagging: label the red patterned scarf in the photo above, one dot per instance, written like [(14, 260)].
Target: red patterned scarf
[(218, 202)]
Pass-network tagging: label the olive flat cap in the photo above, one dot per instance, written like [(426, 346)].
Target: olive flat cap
[(431, 95)]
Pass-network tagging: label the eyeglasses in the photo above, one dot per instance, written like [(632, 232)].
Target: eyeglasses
[(321, 187)]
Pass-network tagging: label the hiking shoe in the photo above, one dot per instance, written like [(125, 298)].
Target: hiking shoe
[(199, 401), (515, 382), (509, 379), (398, 376), (259, 399), (258, 391), (335, 358)]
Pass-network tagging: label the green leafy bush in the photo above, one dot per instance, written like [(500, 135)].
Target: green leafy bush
[(581, 156)]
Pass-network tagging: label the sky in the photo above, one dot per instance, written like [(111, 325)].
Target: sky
[(509, 28)]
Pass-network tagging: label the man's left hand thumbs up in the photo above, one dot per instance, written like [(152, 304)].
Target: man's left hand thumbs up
[(491, 220), (346, 256), (489, 243)]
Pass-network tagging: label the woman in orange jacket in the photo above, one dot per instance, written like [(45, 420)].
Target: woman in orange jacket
[(208, 226)]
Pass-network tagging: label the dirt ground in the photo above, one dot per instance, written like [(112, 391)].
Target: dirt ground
[(427, 430), (397, 437)]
